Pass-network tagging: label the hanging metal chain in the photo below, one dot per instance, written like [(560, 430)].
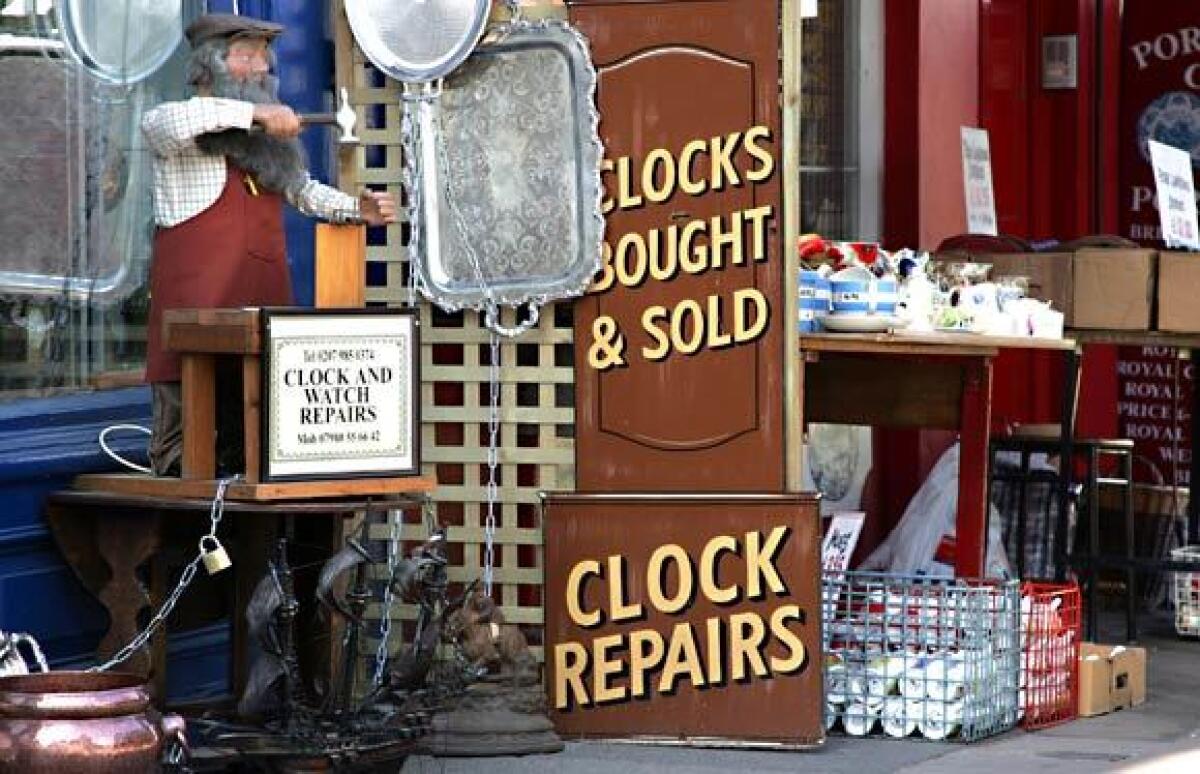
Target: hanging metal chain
[(411, 99), (429, 515), (216, 512), (385, 621), (489, 524)]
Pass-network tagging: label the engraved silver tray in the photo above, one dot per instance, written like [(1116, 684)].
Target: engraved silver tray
[(509, 163)]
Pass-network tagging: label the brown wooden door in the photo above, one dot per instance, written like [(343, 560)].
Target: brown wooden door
[(670, 73)]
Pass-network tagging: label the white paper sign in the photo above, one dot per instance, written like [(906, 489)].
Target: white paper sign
[(840, 540), (977, 182), (340, 395), (1176, 195), (808, 9)]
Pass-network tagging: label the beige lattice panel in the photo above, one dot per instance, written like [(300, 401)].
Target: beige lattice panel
[(536, 446)]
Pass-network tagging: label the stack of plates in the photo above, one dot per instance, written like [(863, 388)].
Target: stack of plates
[(849, 322)]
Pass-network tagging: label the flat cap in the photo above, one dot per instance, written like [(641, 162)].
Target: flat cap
[(229, 25)]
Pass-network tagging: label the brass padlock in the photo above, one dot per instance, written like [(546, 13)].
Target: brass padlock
[(217, 558)]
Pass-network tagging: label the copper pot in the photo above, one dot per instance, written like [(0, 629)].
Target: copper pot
[(79, 722)]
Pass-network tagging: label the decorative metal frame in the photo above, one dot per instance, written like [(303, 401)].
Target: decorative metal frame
[(269, 470), (498, 211)]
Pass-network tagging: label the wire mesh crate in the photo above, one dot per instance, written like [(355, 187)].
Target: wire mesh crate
[(907, 655), (1051, 617), (1187, 593)]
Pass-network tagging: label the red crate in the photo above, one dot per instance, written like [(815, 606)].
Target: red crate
[(1051, 620)]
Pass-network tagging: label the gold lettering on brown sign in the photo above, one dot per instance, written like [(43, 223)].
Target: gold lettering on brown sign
[(693, 248), (700, 653)]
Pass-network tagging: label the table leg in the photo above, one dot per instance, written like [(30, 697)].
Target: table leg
[(1130, 532), (974, 424), (1093, 570), (199, 416), (1066, 456), (125, 541)]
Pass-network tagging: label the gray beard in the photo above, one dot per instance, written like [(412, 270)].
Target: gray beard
[(277, 164)]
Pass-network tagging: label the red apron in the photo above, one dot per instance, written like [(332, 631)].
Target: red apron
[(232, 254)]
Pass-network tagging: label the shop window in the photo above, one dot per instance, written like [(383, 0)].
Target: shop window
[(841, 120), (75, 212)]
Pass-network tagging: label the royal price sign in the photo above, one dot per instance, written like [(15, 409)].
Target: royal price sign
[(1154, 408), (684, 617), (340, 394)]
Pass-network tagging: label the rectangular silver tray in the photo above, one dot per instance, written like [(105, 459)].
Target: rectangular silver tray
[(509, 162)]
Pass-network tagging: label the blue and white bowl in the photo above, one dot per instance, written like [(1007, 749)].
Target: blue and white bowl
[(857, 291), (814, 300)]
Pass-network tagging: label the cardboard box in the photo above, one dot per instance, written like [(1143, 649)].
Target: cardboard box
[(1111, 677), (1114, 288), (1178, 282), (1051, 276)]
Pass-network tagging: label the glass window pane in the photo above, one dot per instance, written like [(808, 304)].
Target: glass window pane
[(75, 214), (835, 79)]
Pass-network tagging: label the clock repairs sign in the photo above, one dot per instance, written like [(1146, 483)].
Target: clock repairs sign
[(684, 617), (340, 394)]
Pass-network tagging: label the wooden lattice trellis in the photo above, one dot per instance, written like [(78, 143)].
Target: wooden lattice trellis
[(536, 444)]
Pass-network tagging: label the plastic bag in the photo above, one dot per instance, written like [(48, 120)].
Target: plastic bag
[(928, 524)]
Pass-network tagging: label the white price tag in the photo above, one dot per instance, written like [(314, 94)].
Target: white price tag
[(977, 182), (1176, 195)]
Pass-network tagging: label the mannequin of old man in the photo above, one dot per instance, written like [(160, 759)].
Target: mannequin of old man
[(225, 161)]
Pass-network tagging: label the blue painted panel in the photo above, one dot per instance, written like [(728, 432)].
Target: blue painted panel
[(305, 53), (43, 445), (198, 664), (39, 594)]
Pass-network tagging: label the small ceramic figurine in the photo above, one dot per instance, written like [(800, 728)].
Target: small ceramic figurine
[(488, 641)]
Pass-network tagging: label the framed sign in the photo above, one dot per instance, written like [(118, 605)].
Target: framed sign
[(1060, 61), (340, 394), (689, 618)]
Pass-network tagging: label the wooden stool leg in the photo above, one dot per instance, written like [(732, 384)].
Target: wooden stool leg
[(251, 402), (199, 417)]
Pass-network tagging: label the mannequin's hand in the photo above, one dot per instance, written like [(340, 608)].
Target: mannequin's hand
[(277, 120), (377, 208)]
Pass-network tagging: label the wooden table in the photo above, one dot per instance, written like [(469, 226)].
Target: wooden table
[(939, 380), (107, 536)]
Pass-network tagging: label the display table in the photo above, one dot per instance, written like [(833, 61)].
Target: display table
[(107, 536), (941, 380)]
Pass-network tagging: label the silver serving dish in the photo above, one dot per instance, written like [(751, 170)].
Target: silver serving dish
[(509, 161), (121, 42)]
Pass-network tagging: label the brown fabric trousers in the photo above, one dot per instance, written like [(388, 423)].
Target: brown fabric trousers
[(166, 431)]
